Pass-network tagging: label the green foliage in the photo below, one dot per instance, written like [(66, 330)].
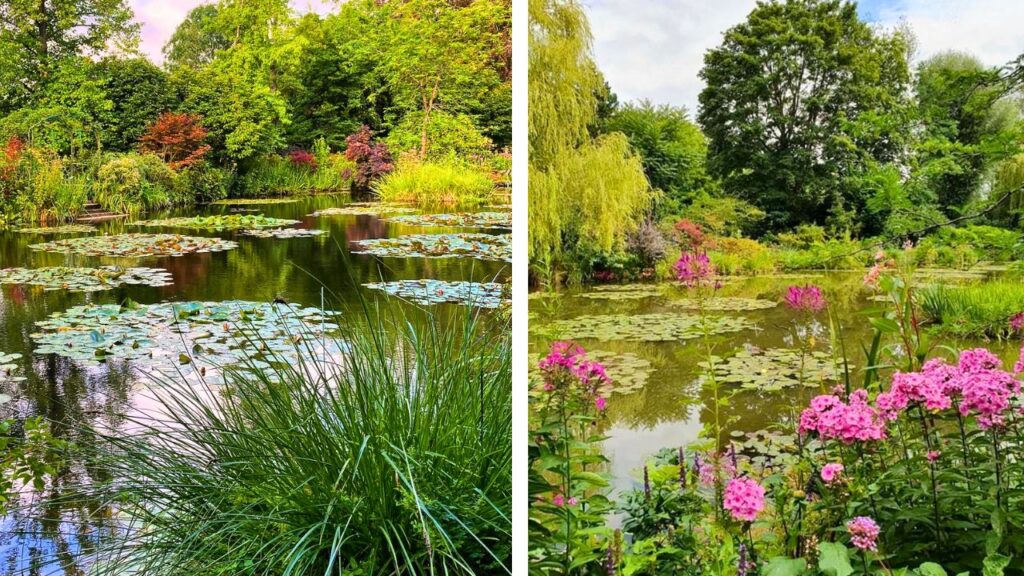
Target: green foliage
[(671, 147), (843, 86), (204, 183), (28, 456), (973, 310), (402, 464), (274, 175), (35, 188), (450, 136), (197, 40), (723, 215), (136, 183), (138, 92), (435, 184)]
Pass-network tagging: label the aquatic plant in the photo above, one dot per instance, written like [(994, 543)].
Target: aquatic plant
[(136, 245), (435, 184), (284, 233), (393, 459), (364, 209), (482, 246), (458, 220), (428, 291), (85, 279), (653, 327), (252, 201), (219, 222), (9, 370), (65, 229), (773, 369)]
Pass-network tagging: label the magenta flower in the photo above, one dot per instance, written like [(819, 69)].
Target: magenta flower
[(807, 298), (831, 472), (744, 499), (1018, 367), (863, 533), (600, 403), (933, 455), (694, 269), (1017, 322), (833, 419), (558, 500)]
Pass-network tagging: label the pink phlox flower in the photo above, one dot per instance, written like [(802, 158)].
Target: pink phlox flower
[(1018, 367), (978, 360), (987, 394), (831, 472), (831, 418), (744, 499), (563, 354), (863, 533), (807, 298), (943, 374), (921, 388), (1017, 322)]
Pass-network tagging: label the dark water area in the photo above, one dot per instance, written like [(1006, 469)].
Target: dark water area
[(302, 271), (673, 406)]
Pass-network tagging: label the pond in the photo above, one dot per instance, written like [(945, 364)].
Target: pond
[(647, 336), (305, 252)]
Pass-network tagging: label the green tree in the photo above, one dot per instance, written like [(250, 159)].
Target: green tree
[(961, 109), (586, 194), (138, 91), (672, 148), (197, 40), (799, 99), (36, 36)]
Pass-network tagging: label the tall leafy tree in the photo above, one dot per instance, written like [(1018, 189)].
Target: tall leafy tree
[(672, 148), (36, 36), (586, 194), (197, 40), (799, 99)]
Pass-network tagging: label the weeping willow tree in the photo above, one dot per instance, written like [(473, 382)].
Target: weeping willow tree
[(1009, 179), (585, 194)]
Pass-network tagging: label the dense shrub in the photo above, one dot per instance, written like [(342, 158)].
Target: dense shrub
[(178, 139), (275, 175), (372, 159), (204, 183), (435, 183), (135, 183), (34, 186), (742, 256), (723, 215), (647, 244)]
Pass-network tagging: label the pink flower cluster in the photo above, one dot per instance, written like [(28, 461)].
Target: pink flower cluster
[(694, 269), (709, 469), (863, 533), (1017, 322), (744, 499), (807, 298), (832, 418), (830, 473), (881, 266), (570, 358)]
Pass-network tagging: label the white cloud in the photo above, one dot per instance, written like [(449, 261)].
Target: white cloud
[(655, 49)]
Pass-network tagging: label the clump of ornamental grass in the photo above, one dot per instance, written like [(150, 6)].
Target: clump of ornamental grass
[(973, 310), (436, 183), (393, 459)]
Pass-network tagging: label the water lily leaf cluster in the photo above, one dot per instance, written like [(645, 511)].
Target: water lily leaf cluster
[(628, 372), (66, 229), (458, 219), (726, 303), (85, 279), (624, 292), (657, 327), (189, 337), (136, 245), (9, 372), (283, 233), (774, 369), (220, 222), (364, 209), (482, 246), (429, 291)]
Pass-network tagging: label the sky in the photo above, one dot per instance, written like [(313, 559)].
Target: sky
[(654, 49), (159, 19)]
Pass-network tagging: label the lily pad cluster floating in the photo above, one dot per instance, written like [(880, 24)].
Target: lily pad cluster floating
[(85, 279), (136, 245), (252, 201), (768, 448), (628, 372), (774, 369), (483, 295), (657, 327), (9, 372), (365, 209), (948, 275), (482, 246), (220, 222), (283, 233), (66, 229), (458, 220), (624, 292), (188, 336), (726, 303)]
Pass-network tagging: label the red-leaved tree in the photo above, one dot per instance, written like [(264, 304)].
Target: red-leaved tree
[(179, 139), (373, 159)]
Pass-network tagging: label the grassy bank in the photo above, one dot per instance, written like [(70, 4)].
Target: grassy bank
[(976, 310)]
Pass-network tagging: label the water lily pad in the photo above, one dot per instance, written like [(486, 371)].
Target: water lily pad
[(252, 201), (656, 327), (483, 295), (460, 220), (220, 222), (725, 303), (365, 209), (628, 372), (774, 369), (284, 233), (482, 246), (189, 336), (624, 292), (66, 229), (85, 279), (136, 245), (9, 372)]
